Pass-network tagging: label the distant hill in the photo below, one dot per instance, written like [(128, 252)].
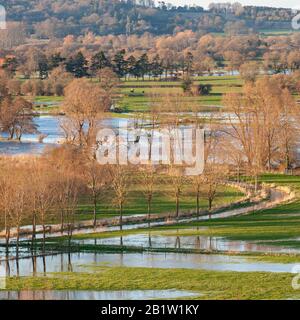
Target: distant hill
[(58, 18)]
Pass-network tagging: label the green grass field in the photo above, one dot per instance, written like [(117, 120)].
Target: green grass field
[(139, 100), (163, 201), (206, 284), (137, 94), (280, 225)]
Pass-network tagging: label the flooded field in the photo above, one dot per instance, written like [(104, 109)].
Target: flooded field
[(50, 128), (97, 295), (87, 262), (202, 243)]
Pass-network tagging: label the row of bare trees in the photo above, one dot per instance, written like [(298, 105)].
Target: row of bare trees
[(261, 131), (42, 191)]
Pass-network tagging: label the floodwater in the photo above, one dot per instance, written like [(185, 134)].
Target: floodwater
[(202, 243), (50, 128), (89, 262), (97, 295)]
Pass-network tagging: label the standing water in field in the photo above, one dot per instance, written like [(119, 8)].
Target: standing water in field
[(91, 262), (49, 128)]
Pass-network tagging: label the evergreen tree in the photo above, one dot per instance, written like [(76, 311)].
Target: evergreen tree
[(43, 67), (55, 61), (77, 65), (156, 67), (120, 64), (131, 66), (143, 66), (99, 62)]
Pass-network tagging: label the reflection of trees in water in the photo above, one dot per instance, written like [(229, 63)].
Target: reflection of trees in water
[(34, 263), (15, 267), (18, 267), (177, 243), (7, 268), (44, 264), (70, 267), (150, 239), (197, 243)]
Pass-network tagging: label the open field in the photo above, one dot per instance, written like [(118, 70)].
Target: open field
[(278, 226), (163, 202), (207, 284), (136, 95)]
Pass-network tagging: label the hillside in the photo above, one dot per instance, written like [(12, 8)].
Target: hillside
[(48, 19)]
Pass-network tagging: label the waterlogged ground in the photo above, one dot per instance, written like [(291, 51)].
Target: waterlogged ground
[(202, 243), (128, 275), (50, 128), (86, 262), (95, 275), (97, 295)]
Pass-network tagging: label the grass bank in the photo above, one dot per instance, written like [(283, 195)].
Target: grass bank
[(209, 284)]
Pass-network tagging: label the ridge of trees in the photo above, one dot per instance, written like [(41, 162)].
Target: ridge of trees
[(48, 19)]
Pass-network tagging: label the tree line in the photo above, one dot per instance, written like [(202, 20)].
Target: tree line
[(185, 52), (49, 190), (46, 19)]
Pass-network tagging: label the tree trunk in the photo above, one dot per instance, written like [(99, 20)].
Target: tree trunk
[(121, 223), (177, 207), (198, 203), (149, 210), (44, 238), (255, 184), (210, 201), (62, 222), (33, 236), (18, 240), (7, 239), (95, 211), (121, 217), (7, 232)]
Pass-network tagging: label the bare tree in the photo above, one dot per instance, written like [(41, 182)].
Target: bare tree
[(67, 162), (147, 181), (214, 175), (20, 201), (197, 182), (16, 117), (6, 190), (260, 116), (120, 183), (177, 181), (85, 104), (44, 193), (96, 178)]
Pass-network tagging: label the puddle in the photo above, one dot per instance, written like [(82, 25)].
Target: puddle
[(97, 295)]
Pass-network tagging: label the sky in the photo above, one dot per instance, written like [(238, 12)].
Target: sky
[(274, 3)]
